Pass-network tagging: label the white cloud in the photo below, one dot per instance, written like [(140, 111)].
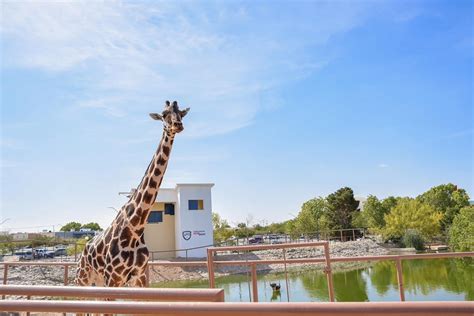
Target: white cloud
[(215, 58), (382, 165)]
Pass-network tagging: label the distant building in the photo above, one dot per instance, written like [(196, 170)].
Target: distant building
[(24, 236), (46, 233), (181, 218), (75, 234), (362, 200), (19, 236)]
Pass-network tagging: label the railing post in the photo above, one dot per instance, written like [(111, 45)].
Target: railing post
[(66, 270), (210, 268), (353, 235), (400, 279), (147, 275), (75, 251), (254, 282), (328, 272), (28, 298), (5, 276), (5, 273)]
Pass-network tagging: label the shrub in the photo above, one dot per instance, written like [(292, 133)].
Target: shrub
[(461, 232), (412, 239)]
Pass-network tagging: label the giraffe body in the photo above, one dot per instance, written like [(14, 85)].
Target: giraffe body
[(119, 256)]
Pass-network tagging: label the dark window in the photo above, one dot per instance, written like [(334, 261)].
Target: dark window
[(195, 205), (169, 208), (155, 217)]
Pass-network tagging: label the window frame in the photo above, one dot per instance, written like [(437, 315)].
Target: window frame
[(196, 205), (160, 217)]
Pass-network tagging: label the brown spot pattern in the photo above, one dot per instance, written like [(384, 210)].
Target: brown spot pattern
[(147, 198)]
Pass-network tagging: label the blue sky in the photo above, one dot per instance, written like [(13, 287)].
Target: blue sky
[(289, 100)]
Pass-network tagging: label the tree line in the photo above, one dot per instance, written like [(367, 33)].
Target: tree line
[(442, 212), (76, 226)]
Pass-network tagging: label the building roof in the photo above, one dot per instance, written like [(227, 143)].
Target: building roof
[(210, 185)]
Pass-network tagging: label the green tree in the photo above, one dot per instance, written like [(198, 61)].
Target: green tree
[(43, 241), (79, 247), (447, 199), (277, 228), (92, 226), (6, 244), (412, 214), (461, 232), (312, 216), (222, 230), (292, 229), (375, 210), (359, 220), (341, 206), (71, 226)]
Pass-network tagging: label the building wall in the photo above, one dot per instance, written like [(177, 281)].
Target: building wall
[(161, 236), (193, 227), (20, 236)]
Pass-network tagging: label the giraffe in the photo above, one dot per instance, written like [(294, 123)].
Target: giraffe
[(119, 256)]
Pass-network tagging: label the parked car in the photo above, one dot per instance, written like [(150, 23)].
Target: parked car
[(276, 241), (60, 252), (256, 239), (49, 254), (38, 253), (25, 254)]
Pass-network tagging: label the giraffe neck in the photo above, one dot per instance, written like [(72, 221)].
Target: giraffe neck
[(139, 206)]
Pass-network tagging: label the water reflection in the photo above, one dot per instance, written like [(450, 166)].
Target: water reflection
[(435, 279)]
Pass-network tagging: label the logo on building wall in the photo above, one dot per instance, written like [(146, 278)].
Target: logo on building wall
[(199, 232), (186, 234)]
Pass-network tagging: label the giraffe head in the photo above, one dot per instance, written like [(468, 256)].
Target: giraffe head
[(171, 117)]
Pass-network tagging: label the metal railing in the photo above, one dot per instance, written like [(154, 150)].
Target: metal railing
[(253, 264), (348, 234), (247, 309), (120, 293)]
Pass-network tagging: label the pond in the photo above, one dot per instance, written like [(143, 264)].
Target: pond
[(425, 280)]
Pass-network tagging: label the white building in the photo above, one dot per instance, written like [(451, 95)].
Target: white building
[(181, 218), (362, 200)]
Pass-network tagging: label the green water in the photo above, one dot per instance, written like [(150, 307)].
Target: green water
[(425, 280)]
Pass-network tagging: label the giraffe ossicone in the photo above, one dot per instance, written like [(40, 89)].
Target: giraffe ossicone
[(119, 256)]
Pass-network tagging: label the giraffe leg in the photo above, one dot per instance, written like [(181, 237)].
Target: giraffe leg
[(139, 281)]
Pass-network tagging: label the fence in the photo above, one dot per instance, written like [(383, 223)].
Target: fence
[(122, 293), (246, 309), (252, 264), (349, 234)]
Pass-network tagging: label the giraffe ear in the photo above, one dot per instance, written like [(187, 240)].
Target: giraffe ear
[(156, 116), (184, 112)]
